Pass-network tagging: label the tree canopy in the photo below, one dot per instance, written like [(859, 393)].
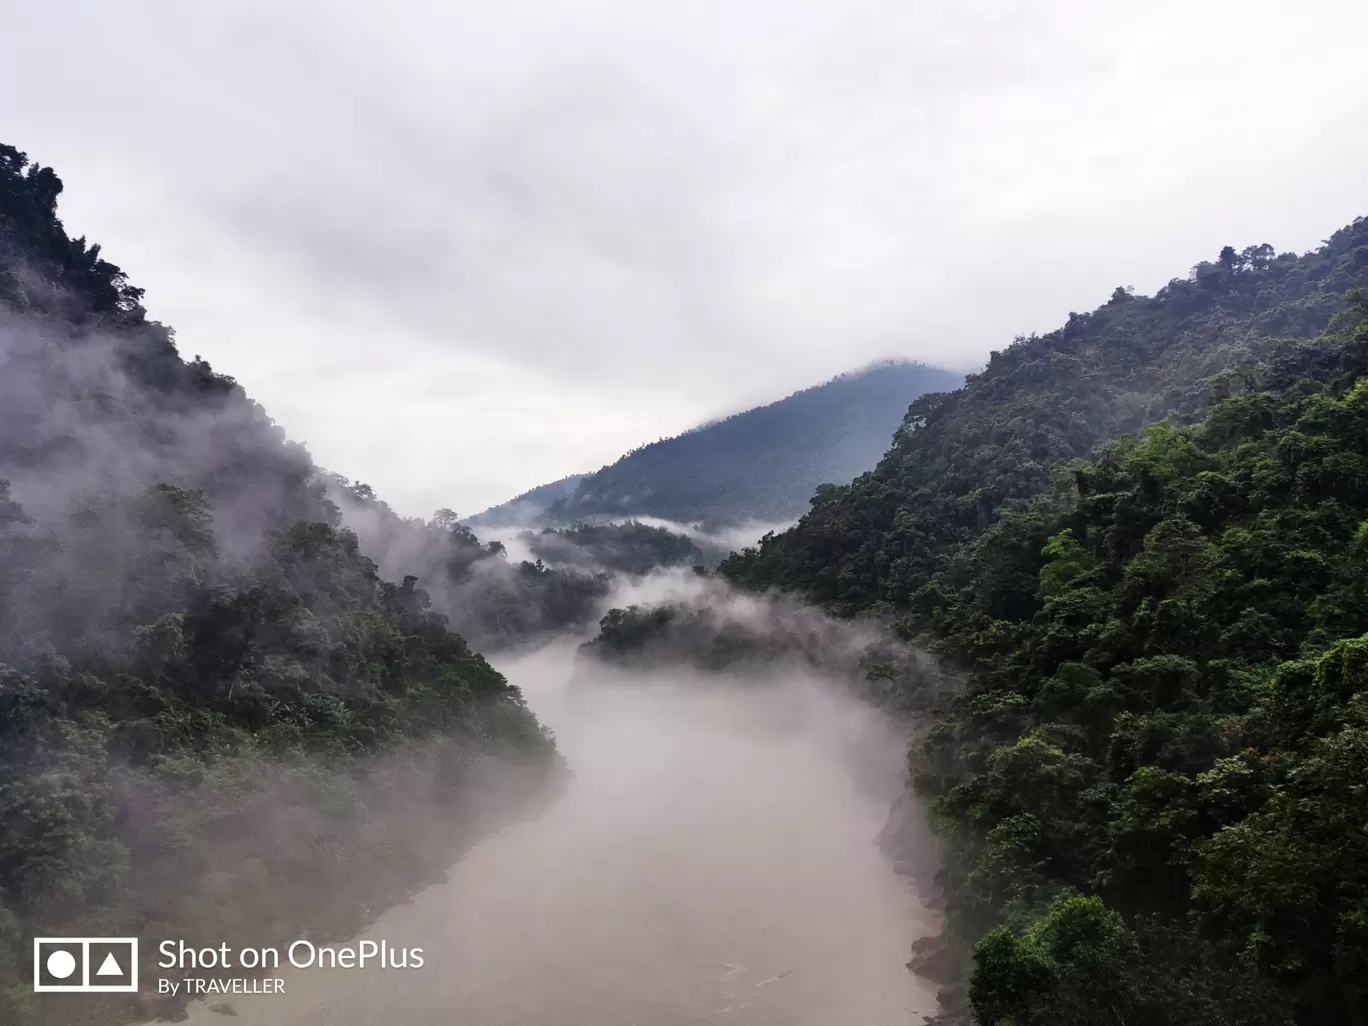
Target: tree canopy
[(1144, 539), (960, 459), (217, 719)]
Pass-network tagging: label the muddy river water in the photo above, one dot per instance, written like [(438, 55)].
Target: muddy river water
[(711, 861)]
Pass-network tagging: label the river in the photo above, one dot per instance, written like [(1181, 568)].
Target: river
[(711, 861)]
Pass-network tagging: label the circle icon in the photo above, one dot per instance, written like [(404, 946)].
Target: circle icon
[(61, 964)]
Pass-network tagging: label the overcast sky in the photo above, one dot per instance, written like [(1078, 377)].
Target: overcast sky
[(461, 249)]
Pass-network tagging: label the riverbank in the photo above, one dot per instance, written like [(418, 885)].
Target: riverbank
[(708, 862)]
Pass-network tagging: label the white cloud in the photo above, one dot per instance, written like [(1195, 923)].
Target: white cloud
[(462, 248)]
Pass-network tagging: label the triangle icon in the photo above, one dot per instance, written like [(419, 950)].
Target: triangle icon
[(109, 967)]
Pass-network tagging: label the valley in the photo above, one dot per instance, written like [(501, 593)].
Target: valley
[(1057, 699), (710, 862)]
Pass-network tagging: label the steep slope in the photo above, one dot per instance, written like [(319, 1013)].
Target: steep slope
[(1153, 794), (494, 601), (217, 720), (1150, 792), (884, 541), (529, 507), (762, 464)]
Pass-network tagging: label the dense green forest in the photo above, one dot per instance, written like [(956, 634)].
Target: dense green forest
[(630, 548), (217, 719), (1153, 791), (762, 464), (705, 635), (495, 602), (763, 640), (959, 458), (1165, 744), (1137, 547)]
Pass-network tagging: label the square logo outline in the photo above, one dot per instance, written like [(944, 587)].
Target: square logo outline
[(85, 986)]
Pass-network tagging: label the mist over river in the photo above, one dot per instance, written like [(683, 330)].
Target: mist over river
[(712, 860)]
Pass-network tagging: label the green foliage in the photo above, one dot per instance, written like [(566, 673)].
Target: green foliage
[(630, 548), (1177, 728), (1082, 964), (962, 461), (697, 635), (493, 602), (217, 720), (1151, 794), (39, 265), (234, 753)]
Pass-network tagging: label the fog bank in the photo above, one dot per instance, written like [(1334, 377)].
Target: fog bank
[(712, 860)]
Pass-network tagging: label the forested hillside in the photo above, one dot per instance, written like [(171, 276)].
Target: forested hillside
[(762, 464), (959, 459), (1152, 792), (492, 600), (528, 507), (1155, 791), (631, 548), (217, 721)]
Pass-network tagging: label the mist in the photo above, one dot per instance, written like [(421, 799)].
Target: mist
[(713, 858), (696, 845), (721, 539), (625, 219), (713, 543), (269, 734), (88, 414)]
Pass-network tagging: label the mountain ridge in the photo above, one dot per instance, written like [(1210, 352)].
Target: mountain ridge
[(1142, 539), (207, 688), (1131, 362), (759, 464)]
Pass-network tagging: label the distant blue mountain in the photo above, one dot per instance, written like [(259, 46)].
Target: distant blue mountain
[(528, 508), (763, 464)]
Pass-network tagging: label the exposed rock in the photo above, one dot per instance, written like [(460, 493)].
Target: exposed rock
[(954, 1000), (907, 840), (933, 960)]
